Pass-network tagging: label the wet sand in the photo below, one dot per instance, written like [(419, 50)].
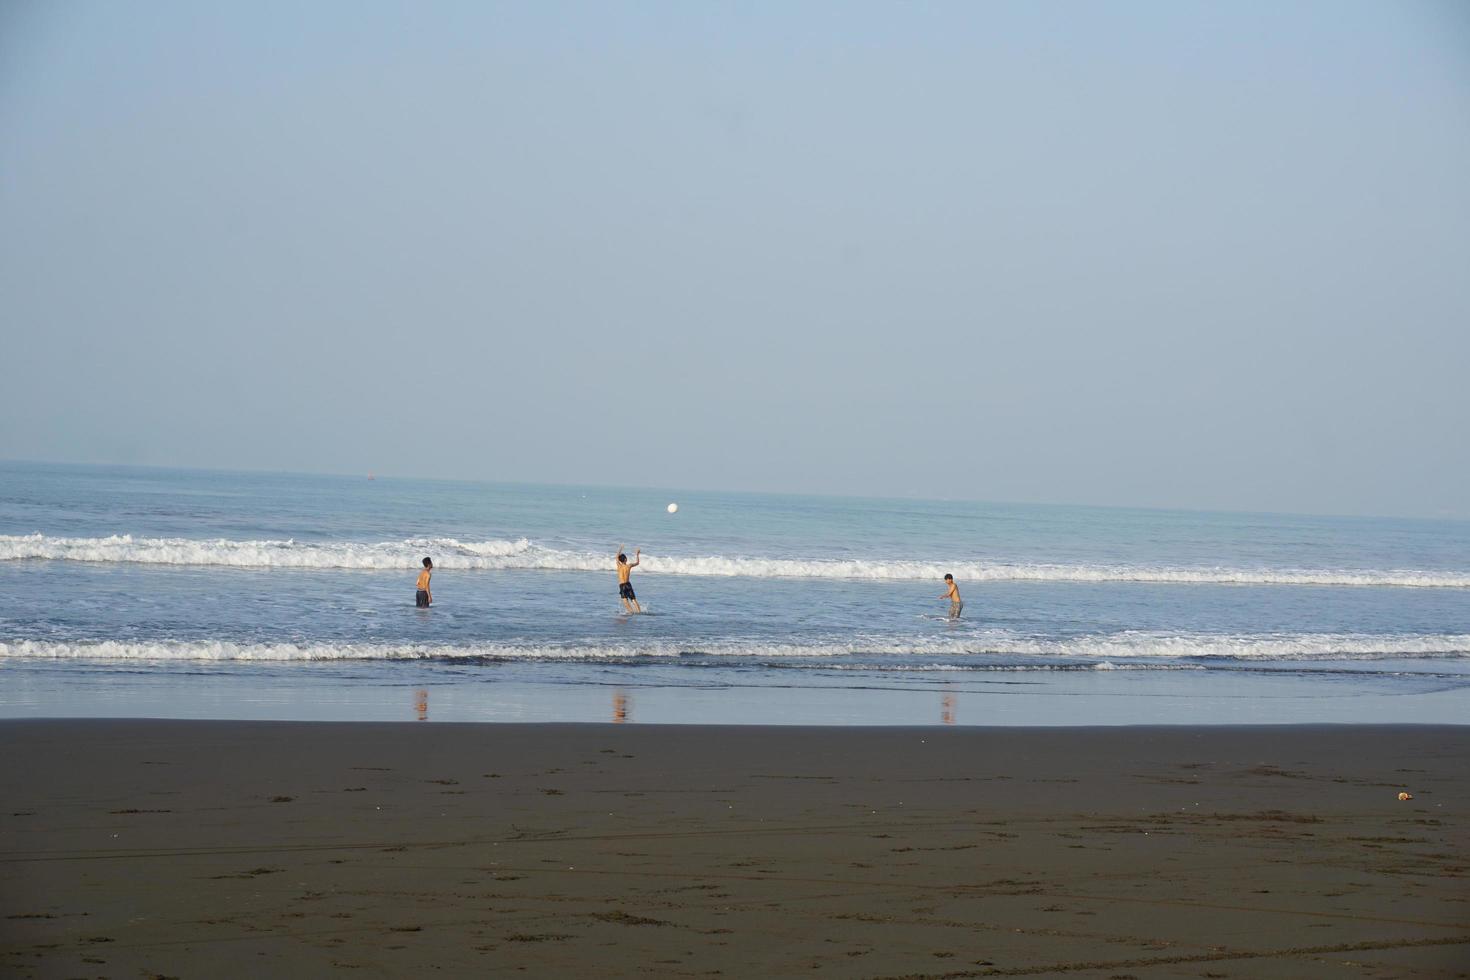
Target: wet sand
[(221, 849)]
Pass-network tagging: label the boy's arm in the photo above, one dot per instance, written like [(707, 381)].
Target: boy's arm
[(637, 557)]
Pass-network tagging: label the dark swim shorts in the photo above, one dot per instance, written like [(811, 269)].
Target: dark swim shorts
[(625, 589), (422, 599)]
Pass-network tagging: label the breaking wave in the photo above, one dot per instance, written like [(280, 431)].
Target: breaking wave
[(449, 553), (992, 650)]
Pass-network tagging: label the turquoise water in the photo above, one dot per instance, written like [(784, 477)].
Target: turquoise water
[(145, 592)]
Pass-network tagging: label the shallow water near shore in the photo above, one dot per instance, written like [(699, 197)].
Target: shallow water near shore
[(158, 593)]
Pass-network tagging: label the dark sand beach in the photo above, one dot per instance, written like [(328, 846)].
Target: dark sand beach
[(220, 849)]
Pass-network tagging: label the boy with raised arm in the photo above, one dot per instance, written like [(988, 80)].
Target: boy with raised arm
[(625, 588)]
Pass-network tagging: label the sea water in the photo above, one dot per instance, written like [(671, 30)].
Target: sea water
[(131, 592)]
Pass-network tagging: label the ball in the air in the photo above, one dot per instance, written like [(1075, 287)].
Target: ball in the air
[(673, 508)]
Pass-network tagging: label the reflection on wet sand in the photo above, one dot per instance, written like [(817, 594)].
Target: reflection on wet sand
[(946, 708), (421, 704), (620, 706)]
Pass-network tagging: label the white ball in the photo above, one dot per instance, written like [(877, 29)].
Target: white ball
[(673, 508)]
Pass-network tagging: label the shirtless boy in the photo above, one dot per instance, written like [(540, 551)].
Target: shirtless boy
[(952, 593), (425, 598), (625, 588)]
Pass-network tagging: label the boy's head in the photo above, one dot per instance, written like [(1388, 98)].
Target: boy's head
[(622, 558), (428, 563), (947, 577)]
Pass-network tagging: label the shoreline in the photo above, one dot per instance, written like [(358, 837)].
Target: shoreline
[(289, 848), (670, 695), (921, 730)]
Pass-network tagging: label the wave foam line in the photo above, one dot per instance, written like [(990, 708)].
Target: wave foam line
[(1103, 650), (449, 553), (124, 548)]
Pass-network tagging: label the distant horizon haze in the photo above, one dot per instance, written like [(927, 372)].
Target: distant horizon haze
[(1151, 254), (683, 504)]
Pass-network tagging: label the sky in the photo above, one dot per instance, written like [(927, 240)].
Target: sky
[(1174, 254)]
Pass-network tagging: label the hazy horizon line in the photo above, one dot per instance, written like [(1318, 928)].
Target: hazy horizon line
[(388, 475)]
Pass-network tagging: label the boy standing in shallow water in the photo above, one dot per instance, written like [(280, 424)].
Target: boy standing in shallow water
[(425, 598), (625, 587), (952, 593)]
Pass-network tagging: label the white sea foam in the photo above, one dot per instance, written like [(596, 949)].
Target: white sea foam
[(1205, 646), (449, 553), (989, 650), (124, 548)]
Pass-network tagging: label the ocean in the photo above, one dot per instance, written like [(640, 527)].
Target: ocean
[(140, 592)]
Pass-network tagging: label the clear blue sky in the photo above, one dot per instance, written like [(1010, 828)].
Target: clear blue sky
[(1177, 254)]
